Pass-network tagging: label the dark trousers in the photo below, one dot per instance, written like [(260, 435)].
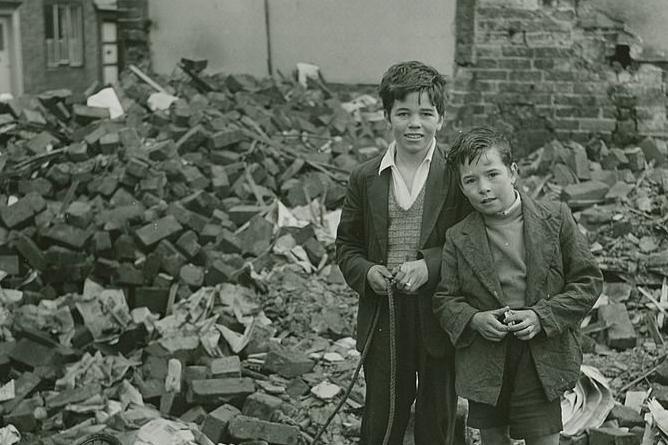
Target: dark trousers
[(434, 395)]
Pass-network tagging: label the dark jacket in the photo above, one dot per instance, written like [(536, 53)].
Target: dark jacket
[(361, 240), (563, 283)]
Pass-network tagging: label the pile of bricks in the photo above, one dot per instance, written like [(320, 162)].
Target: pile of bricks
[(619, 197), (160, 204), (166, 197)]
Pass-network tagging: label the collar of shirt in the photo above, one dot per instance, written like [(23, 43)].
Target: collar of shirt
[(513, 206), (389, 157)]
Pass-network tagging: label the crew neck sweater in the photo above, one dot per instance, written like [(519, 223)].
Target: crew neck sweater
[(505, 234)]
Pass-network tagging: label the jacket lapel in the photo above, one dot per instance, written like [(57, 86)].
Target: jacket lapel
[(540, 236), (378, 187), (436, 190), (475, 249)]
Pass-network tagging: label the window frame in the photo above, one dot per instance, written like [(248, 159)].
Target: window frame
[(63, 34)]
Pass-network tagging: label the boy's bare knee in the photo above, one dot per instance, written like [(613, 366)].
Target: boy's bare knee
[(495, 436)]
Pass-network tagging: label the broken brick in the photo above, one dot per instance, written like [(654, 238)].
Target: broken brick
[(620, 333), (261, 406), (67, 236), (191, 275), (109, 143), (154, 298), (215, 423), (31, 252), (18, 214), (586, 191), (217, 391), (636, 158), (188, 244), (287, 363), (247, 428), (84, 114), (154, 232), (612, 436), (79, 214), (225, 367)]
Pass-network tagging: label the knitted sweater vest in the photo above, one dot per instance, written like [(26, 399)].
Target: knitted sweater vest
[(403, 232)]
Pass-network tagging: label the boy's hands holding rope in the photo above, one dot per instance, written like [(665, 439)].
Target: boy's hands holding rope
[(408, 277), (411, 275)]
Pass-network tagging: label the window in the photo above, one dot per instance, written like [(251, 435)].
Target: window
[(63, 30)]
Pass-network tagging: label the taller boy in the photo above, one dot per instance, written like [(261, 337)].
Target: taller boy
[(397, 209)]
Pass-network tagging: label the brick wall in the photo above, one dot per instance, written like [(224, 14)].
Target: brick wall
[(540, 69), (133, 31), (36, 76)]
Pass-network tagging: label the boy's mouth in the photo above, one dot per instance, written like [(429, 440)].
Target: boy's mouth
[(413, 136), (487, 200)]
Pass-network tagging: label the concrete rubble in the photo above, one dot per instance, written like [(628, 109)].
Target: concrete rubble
[(167, 277)]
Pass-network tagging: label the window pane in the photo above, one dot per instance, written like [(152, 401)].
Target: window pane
[(48, 21), (62, 21)]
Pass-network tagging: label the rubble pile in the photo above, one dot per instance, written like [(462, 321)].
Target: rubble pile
[(166, 273), (619, 198), (143, 229)]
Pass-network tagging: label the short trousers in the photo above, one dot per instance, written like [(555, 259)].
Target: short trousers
[(522, 403)]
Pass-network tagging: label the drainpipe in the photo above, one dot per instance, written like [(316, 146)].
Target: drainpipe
[(270, 67)]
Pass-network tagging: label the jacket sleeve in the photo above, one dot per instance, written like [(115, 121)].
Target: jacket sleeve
[(450, 307), (351, 239), (582, 281), (434, 256)]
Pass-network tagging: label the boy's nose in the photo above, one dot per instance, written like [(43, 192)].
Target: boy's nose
[(484, 187)]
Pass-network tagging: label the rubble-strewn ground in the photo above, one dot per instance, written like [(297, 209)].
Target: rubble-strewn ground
[(167, 274)]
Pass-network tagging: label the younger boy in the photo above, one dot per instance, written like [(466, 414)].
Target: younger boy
[(517, 278), (395, 214)]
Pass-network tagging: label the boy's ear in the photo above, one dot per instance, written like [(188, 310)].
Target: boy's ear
[(441, 119), (515, 171)]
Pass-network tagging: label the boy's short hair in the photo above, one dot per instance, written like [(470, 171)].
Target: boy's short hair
[(471, 144), (408, 77)]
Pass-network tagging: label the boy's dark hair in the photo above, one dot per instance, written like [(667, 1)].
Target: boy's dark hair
[(471, 144), (408, 77)]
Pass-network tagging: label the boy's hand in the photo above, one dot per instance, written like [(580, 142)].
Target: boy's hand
[(411, 275), (524, 323), (376, 278), (488, 325)]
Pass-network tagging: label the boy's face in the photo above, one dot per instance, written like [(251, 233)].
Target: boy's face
[(414, 122), (488, 183)]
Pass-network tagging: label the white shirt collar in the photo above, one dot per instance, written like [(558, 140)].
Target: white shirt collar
[(389, 157)]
